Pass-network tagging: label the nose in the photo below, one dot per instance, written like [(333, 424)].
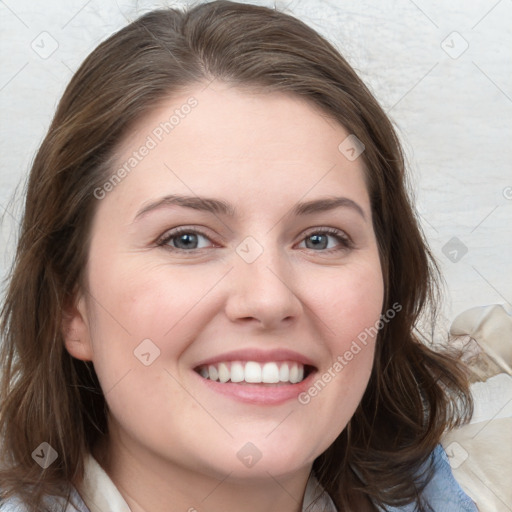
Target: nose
[(261, 292)]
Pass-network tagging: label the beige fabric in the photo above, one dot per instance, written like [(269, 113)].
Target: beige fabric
[(484, 452), (491, 327), (481, 453)]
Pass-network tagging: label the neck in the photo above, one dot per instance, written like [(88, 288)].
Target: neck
[(150, 484)]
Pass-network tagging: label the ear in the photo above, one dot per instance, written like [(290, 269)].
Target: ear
[(76, 330)]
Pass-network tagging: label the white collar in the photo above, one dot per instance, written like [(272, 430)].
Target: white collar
[(315, 498), (98, 491), (101, 495)]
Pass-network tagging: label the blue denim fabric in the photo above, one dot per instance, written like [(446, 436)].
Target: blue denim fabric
[(442, 493)]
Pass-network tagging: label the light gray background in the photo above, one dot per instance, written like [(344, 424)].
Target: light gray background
[(442, 71)]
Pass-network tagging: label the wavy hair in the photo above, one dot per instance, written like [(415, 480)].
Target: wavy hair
[(414, 393)]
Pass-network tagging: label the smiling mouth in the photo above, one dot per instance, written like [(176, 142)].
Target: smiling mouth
[(252, 372)]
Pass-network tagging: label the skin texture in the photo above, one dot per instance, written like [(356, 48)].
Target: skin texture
[(172, 439)]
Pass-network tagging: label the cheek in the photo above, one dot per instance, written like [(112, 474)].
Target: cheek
[(133, 303), (348, 311), (143, 319), (349, 302)]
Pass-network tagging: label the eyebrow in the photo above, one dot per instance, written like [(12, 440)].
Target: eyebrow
[(206, 204), (327, 204), (217, 206)]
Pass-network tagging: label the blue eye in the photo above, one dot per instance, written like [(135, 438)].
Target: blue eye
[(326, 240), (186, 240)]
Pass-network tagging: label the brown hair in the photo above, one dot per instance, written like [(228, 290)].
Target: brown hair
[(414, 392)]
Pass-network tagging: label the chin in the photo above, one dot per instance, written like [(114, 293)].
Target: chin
[(262, 458)]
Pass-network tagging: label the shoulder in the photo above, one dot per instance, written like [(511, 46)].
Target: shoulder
[(51, 503), (442, 493), (11, 505)]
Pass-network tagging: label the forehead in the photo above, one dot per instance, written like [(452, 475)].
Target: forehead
[(248, 145)]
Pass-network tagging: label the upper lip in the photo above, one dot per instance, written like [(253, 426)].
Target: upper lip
[(258, 356)]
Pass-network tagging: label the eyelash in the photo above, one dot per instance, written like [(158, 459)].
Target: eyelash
[(344, 240), (176, 233)]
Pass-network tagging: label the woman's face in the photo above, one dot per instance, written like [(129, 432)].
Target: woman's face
[(237, 247)]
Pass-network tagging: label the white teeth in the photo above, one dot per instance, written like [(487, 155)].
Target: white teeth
[(294, 374), (284, 373), (254, 373), (270, 373), (237, 372), (223, 372), (214, 374)]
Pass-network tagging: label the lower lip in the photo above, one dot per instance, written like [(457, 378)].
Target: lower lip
[(259, 394)]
